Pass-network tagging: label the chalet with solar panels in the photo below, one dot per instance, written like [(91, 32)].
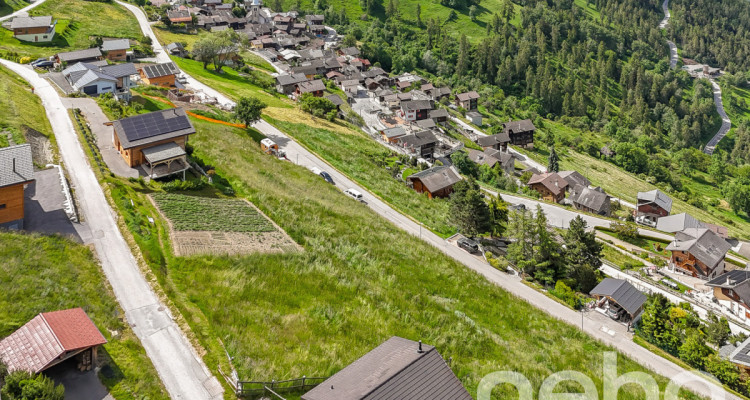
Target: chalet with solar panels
[(51, 338), (156, 141), (159, 74)]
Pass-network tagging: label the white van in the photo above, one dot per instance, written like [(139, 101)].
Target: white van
[(355, 194)]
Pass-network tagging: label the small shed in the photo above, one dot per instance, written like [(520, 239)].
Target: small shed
[(614, 295), (475, 118), (51, 338)]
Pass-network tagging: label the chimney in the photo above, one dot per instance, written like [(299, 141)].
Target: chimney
[(420, 347)]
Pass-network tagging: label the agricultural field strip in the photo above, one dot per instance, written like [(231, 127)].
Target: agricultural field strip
[(191, 213)]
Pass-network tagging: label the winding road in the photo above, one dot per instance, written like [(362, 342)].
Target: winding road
[(180, 368), (23, 10), (726, 123)]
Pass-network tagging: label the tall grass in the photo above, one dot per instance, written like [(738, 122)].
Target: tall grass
[(358, 281), (41, 273), (20, 108)]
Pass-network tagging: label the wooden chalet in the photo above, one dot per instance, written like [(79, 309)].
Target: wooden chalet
[(520, 133), (159, 74), (116, 49), (33, 29), (16, 171), (468, 100), (437, 181), (550, 185), (698, 252)]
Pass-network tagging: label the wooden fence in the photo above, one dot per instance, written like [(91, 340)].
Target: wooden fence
[(252, 389)]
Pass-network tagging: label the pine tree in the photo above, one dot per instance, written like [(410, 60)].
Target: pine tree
[(463, 57), (419, 15), (554, 161), (582, 255), (469, 212)]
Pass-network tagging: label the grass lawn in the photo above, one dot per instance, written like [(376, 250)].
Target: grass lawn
[(614, 256), (78, 20), (355, 155), (20, 108), (59, 274), (10, 6), (232, 84), (312, 313)]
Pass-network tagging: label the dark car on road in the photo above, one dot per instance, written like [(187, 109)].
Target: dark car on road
[(327, 177), (468, 245), (42, 64)]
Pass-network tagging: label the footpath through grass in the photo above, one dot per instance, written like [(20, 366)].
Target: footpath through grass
[(358, 281), (19, 108), (78, 21), (40, 274)]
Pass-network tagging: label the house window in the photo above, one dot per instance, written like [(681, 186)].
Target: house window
[(2, 206)]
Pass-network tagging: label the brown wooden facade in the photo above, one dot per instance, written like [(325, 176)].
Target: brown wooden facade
[(687, 263), (165, 81), (419, 187), (547, 194), (11, 203), (134, 156), (117, 55)]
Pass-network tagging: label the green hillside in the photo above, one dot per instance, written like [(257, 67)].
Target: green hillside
[(60, 274)]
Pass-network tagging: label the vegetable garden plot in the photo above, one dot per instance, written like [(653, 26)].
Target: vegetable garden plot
[(201, 225)]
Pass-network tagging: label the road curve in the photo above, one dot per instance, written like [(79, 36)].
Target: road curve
[(23, 10), (726, 123), (181, 370)]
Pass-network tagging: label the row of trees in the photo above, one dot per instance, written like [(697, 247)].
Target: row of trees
[(678, 330)]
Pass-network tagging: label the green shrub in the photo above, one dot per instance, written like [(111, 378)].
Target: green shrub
[(22, 385), (567, 295)]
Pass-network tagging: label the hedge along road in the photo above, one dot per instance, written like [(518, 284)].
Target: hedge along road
[(301, 156), (180, 368)]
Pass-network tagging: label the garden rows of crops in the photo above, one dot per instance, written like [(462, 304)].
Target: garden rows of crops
[(191, 213)]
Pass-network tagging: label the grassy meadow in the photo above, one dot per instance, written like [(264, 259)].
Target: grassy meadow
[(20, 108), (77, 22), (313, 312), (60, 274)]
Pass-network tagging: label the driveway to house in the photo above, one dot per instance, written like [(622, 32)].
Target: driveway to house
[(23, 10), (181, 370), (44, 210), (725, 122), (96, 119), (601, 329)]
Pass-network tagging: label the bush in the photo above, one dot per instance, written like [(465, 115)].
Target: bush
[(22, 385), (178, 185), (567, 295), (24, 60)]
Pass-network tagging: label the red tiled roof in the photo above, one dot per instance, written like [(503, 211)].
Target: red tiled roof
[(74, 329), (46, 338)]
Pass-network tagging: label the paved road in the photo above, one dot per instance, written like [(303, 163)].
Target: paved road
[(181, 370), (673, 56), (596, 327), (725, 122), (23, 10), (665, 21)]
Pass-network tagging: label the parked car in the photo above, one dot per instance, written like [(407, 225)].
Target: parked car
[(327, 177), (643, 220), (42, 64), (468, 245), (615, 311), (355, 194)]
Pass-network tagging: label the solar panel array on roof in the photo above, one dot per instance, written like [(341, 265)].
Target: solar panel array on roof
[(152, 124)]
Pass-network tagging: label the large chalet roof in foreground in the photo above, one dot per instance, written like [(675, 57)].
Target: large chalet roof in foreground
[(47, 339), (394, 370), (621, 291)]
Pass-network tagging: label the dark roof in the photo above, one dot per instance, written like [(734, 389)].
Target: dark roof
[(47, 338), (16, 165), (416, 105), (335, 99), (574, 178), (741, 355), (397, 131), (152, 127), (373, 72), (705, 245), (394, 370), (593, 198), (350, 51), (482, 158), (84, 54), (293, 79), (418, 139), (524, 125), (437, 178), (551, 180), (622, 292), (657, 197), (119, 70), (489, 141), (157, 70), (426, 123), (163, 152), (311, 86), (439, 113), (730, 279), (31, 22), (467, 96)]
